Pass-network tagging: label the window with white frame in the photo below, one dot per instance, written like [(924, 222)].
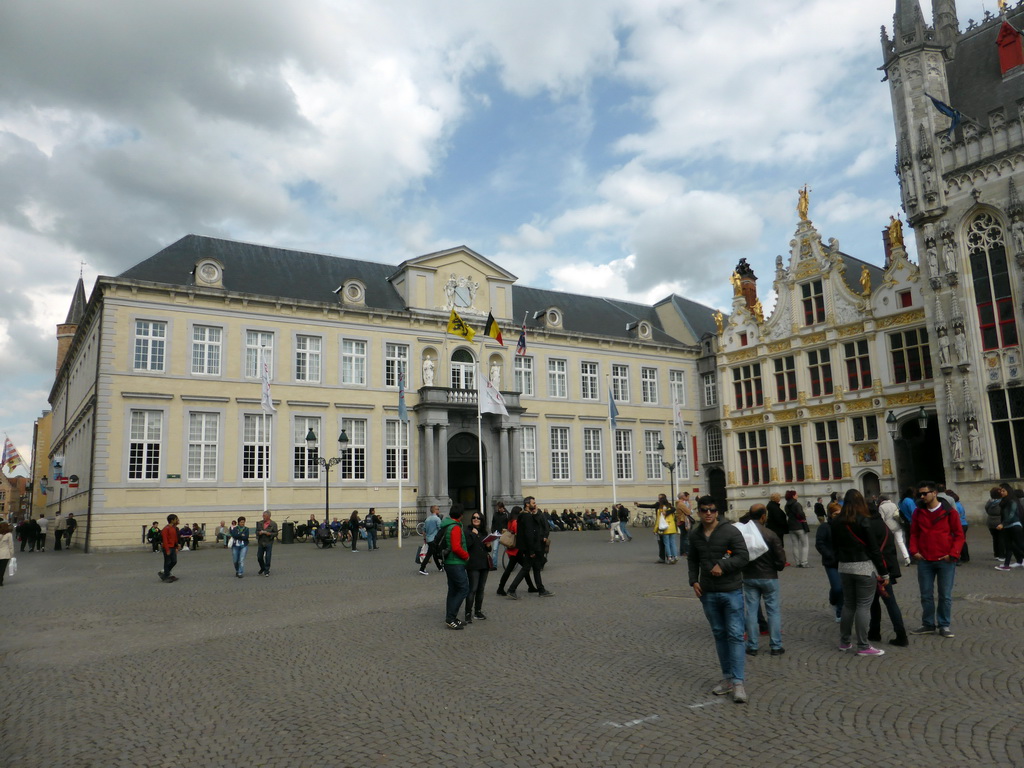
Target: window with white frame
[(649, 385), (826, 441), (819, 366), (150, 345), (256, 429), (353, 362), (307, 358), (651, 455), (396, 443), (785, 379), (682, 455), (858, 365), (791, 442), (522, 375), (911, 355), (710, 385), (713, 445), (864, 428), (203, 440), (558, 385), (592, 454), (620, 383), (623, 454), (528, 453), (677, 385), (560, 453), (259, 347), (753, 454), (746, 383), (353, 458), (813, 301), (463, 370), (144, 444), (304, 458), (206, 350), (588, 381), (396, 361)]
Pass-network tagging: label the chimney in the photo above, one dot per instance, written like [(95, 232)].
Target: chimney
[(748, 283)]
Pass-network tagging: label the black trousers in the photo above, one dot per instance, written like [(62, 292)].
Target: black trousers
[(1013, 537), (170, 560), (263, 552), (431, 553), (530, 564), (513, 563), (58, 537), (998, 545), (477, 583)]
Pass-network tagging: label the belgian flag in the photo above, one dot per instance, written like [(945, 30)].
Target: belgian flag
[(493, 330)]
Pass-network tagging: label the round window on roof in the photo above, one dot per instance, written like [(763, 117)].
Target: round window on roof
[(645, 330), (354, 292), (209, 272), (553, 317)]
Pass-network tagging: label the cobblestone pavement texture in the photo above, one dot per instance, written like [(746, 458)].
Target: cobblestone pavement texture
[(342, 659)]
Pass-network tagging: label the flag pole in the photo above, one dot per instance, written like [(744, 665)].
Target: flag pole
[(266, 435), (479, 429), (611, 432), (401, 466)]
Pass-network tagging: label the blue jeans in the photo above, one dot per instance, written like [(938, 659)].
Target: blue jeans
[(927, 570), (371, 538), (458, 590), (670, 545), (238, 557), (835, 590), (753, 591), (625, 533), (725, 615)]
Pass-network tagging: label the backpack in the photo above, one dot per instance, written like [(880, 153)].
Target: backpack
[(444, 542)]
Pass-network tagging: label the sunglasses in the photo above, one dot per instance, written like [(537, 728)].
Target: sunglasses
[(708, 509), (924, 493)]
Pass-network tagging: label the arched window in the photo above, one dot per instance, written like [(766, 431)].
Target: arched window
[(713, 444), (463, 368), (987, 252)]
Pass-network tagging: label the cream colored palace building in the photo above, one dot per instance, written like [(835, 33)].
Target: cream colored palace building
[(156, 406)]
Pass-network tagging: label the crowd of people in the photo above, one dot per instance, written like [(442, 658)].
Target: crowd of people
[(33, 532)]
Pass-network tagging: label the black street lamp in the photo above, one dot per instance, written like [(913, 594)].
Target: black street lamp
[(311, 445), (891, 424), (670, 465), (922, 418)]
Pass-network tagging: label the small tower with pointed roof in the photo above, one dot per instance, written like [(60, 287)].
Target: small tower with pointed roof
[(66, 330)]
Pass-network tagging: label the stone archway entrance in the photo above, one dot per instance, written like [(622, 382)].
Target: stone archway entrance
[(918, 453), (464, 472), (870, 485), (716, 487)]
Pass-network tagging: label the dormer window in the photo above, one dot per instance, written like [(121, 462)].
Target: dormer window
[(352, 291), (209, 273)]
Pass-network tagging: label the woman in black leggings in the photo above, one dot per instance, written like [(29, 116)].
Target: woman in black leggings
[(514, 561)]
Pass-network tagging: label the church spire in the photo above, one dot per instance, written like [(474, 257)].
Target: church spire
[(908, 27), (947, 26)]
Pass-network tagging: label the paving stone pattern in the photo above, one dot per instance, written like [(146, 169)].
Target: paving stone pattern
[(342, 659)]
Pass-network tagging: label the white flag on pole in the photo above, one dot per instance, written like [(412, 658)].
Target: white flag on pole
[(490, 398), (266, 403)]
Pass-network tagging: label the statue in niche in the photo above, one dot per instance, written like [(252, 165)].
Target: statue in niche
[(956, 443), (933, 262), (495, 375), (1017, 233), (974, 441), (949, 257), (428, 372), (944, 358), (895, 232), (960, 344)]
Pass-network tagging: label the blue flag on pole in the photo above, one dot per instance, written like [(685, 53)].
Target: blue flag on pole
[(954, 115), (403, 412), (613, 412)]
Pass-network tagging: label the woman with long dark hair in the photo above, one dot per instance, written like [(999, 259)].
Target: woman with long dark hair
[(353, 527), (861, 570), (477, 566), (514, 560), (1010, 525)]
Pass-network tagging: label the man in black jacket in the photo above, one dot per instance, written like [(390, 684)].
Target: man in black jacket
[(531, 538), (717, 556)]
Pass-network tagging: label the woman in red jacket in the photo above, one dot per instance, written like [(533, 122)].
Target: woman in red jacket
[(514, 560)]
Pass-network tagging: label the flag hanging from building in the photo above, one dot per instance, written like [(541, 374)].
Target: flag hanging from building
[(11, 458), (521, 345), (403, 412), (457, 326), (493, 330), (954, 115), (613, 412), (488, 397), (266, 403)]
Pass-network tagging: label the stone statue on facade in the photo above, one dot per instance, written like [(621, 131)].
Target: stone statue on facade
[(956, 443), (428, 372), (1017, 233), (949, 257), (933, 262), (960, 344), (944, 358), (495, 375), (974, 441)]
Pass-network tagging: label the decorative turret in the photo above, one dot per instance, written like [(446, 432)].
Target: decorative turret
[(908, 27), (66, 330), (947, 26)]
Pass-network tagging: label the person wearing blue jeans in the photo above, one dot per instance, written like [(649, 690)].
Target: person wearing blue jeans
[(936, 538), (718, 554), (239, 546), (623, 514), (761, 582), (456, 557)]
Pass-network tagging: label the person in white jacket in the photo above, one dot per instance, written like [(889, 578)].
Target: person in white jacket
[(890, 513)]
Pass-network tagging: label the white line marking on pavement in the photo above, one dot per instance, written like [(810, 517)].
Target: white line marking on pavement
[(708, 703), (631, 723)]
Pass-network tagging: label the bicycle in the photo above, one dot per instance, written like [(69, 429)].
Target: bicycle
[(644, 519)]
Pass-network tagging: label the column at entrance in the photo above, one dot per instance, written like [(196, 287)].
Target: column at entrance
[(430, 452), (442, 459), (504, 470)]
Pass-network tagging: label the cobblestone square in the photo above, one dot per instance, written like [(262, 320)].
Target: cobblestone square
[(342, 659)]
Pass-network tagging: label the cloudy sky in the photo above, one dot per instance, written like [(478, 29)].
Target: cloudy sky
[(620, 147)]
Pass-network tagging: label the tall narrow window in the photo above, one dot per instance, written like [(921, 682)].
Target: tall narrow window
[(353, 362), (558, 385), (588, 381), (353, 459), (259, 348), (792, 454), (911, 356), (206, 348), (396, 436), (396, 361), (620, 383), (649, 385), (304, 458), (150, 342), (785, 379), (592, 454), (813, 299), (1007, 410), (254, 446), (522, 374), (858, 365), (992, 286), (753, 455), (651, 456), (682, 454), (307, 359), (144, 445), (819, 366), (713, 445), (463, 370), (677, 383), (826, 441), (746, 382), (710, 382), (203, 439), (623, 454), (560, 453), (528, 453)]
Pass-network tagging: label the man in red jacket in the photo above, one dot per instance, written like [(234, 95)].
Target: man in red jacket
[(936, 538), (170, 543)]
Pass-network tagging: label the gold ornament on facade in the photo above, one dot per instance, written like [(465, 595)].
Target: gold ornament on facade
[(790, 415), (734, 278), (774, 474), (886, 467), (860, 405), (732, 478), (719, 322), (758, 312), (813, 338), (807, 267), (779, 346), (820, 410), (895, 232), (904, 318), (911, 398), (865, 281), (754, 420), (742, 354), (803, 202), (846, 469), (850, 330), (808, 471)]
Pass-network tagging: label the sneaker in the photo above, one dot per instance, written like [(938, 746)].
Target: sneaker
[(239, 575), (1012, 565), (453, 624), (944, 632), (845, 646), (722, 688), (739, 693), (512, 596), (266, 573), (469, 619), (902, 642), (546, 593), (923, 630), (161, 575), (871, 651), (478, 615), (1002, 567), (777, 651), (838, 619), (424, 573)]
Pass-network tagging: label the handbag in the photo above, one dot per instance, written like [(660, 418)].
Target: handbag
[(663, 525), (421, 553), (507, 539), (12, 567)]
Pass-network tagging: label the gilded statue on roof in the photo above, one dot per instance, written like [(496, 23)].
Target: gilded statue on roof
[(895, 232), (803, 203)]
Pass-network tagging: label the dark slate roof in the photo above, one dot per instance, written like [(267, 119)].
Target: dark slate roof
[(77, 309), (699, 318), (852, 272), (265, 271), (976, 86)]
